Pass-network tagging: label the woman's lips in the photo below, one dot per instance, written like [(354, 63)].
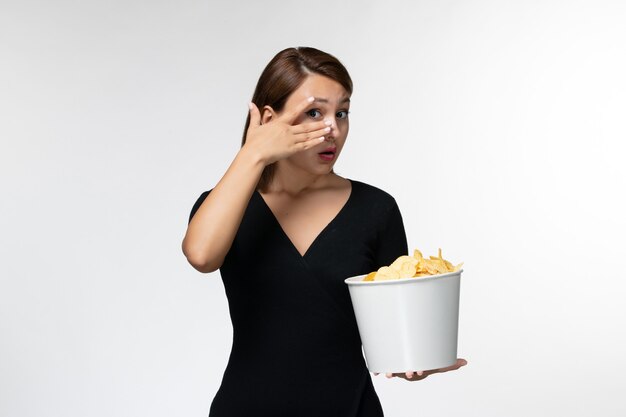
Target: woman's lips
[(328, 154)]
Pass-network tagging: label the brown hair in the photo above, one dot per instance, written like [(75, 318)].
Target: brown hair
[(283, 75)]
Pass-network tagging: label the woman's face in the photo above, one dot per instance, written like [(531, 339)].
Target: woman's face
[(332, 102)]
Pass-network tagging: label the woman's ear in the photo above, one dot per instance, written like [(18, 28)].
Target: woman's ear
[(267, 115)]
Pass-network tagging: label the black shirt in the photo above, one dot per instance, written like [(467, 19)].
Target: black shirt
[(296, 348)]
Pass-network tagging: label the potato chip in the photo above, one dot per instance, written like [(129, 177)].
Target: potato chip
[(385, 273), (370, 276), (414, 266), (405, 265)]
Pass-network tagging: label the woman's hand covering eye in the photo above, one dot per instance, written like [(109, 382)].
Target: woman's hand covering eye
[(280, 138)]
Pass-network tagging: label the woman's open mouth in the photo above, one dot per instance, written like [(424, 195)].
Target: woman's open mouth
[(328, 154)]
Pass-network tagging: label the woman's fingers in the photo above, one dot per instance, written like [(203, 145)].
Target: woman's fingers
[(293, 115), (308, 144), (311, 127), (303, 137), (311, 139), (417, 375), (459, 362)]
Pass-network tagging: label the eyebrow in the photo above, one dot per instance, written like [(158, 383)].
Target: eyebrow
[(324, 100)]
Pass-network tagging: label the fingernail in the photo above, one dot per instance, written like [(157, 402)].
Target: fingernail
[(327, 129), (310, 99), (322, 139)]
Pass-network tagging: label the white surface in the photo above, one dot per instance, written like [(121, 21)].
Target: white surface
[(497, 126), (407, 324)]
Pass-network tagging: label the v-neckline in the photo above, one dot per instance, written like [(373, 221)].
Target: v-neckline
[(321, 232)]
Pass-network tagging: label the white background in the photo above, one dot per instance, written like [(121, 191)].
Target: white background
[(498, 126)]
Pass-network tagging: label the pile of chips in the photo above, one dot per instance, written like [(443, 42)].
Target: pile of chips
[(413, 266)]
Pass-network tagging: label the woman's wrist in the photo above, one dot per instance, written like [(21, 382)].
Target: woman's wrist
[(252, 156)]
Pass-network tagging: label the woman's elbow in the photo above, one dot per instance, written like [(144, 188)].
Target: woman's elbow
[(200, 261)]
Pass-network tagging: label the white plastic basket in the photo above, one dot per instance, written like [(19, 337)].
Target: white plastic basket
[(408, 324)]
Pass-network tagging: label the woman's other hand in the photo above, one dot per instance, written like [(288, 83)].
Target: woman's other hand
[(419, 375), (279, 138)]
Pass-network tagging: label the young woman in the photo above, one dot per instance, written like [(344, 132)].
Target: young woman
[(285, 231)]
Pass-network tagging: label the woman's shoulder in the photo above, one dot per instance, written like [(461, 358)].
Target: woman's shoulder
[(373, 195), (371, 190), (198, 203)]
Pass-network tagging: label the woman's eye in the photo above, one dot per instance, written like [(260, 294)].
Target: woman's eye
[(314, 113), (342, 114)]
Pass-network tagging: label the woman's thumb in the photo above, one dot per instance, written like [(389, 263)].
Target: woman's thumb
[(255, 115)]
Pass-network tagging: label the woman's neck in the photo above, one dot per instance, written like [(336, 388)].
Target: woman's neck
[(294, 182)]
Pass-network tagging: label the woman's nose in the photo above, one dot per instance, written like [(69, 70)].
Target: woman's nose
[(333, 125)]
